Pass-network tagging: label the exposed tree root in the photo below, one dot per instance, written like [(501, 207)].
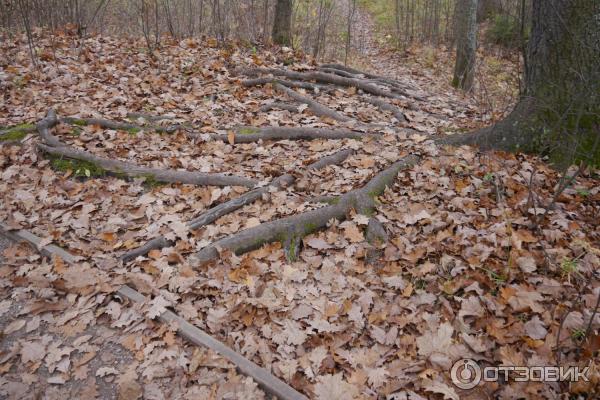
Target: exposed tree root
[(316, 107), (251, 134), (349, 72), (229, 206), (506, 135), (291, 84), (385, 106), (333, 79), (279, 105), (244, 134), (120, 126), (148, 117), (120, 168), (290, 230)]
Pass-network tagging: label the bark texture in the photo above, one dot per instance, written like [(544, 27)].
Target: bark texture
[(559, 112), (290, 230), (53, 145), (252, 134), (230, 206), (282, 26), (466, 44)]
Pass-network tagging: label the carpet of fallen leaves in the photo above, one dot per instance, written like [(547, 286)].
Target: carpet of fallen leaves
[(475, 266)]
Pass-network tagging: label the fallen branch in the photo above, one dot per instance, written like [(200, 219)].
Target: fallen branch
[(229, 206), (290, 230), (270, 383), (316, 107), (385, 106), (55, 147)]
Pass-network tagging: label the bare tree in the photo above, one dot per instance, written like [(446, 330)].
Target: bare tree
[(466, 44), (351, 11)]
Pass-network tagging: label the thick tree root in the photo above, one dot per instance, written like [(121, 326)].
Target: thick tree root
[(279, 105), (251, 134), (317, 108), (290, 230), (291, 84), (148, 117), (122, 168), (229, 206), (349, 72), (506, 135), (385, 106), (55, 147), (119, 126)]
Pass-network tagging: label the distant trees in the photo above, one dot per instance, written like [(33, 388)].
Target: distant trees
[(282, 25), (466, 44)]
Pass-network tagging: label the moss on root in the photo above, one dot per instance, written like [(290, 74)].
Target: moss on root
[(79, 168), (78, 122), (17, 132), (151, 181), (247, 131), (133, 130)]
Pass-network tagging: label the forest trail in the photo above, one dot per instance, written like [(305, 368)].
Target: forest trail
[(302, 214)]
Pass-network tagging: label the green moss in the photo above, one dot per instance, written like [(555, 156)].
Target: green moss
[(78, 122), (13, 136), (310, 227), (133, 130), (76, 131), (79, 168), (151, 181), (17, 132), (247, 131)]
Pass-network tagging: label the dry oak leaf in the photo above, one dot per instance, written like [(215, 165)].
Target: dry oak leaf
[(104, 371), (129, 388), (318, 244), (440, 387), (353, 234), (32, 352), (535, 328), (377, 376), (333, 387), (158, 305), (523, 299), (294, 333)]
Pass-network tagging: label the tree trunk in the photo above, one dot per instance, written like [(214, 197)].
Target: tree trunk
[(282, 26), (466, 44), (559, 112)]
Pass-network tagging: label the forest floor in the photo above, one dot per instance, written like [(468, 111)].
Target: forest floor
[(478, 255)]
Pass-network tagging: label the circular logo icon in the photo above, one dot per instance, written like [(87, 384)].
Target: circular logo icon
[(465, 373)]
